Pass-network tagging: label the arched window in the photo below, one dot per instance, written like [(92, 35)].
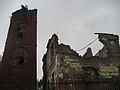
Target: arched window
[(19, 56)]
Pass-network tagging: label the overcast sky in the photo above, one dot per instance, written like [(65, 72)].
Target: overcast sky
[(74, 21)]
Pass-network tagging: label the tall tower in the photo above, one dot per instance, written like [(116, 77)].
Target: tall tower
[(19, 58)]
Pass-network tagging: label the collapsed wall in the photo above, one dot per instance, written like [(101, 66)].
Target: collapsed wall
[(62, 62)]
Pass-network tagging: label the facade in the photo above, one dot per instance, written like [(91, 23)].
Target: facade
[(62, 65), (18, 67)]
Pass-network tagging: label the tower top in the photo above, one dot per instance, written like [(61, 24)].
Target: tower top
[(24, 7)]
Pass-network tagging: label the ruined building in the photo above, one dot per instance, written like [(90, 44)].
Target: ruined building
[(63, 66), (18, 67)]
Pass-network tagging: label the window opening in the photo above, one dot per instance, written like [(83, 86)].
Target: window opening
[(19, 60), (20, 33)]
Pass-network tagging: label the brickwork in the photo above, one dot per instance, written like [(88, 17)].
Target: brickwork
[(19, 58)]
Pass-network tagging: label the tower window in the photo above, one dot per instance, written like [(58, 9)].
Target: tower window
[(20, 34), (19, 60)]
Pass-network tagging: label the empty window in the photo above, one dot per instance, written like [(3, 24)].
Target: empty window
[(19, 60), (20, 32)]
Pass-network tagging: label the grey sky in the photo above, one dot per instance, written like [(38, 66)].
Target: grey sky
[(75, 21)]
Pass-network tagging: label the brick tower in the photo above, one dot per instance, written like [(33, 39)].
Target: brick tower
[(19, 58)]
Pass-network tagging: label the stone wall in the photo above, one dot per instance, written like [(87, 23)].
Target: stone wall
[(65, 64)]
